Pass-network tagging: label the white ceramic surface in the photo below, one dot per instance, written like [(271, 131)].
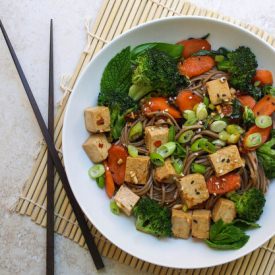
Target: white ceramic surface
[(94, 202)]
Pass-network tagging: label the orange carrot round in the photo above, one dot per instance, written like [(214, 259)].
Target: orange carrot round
[(266, 106), (117, 156), (192, 46), (264, 77), (155, 104), (247, 100), (223, 184), (186, 100), (264, 132), (196, 65), (109, 182)]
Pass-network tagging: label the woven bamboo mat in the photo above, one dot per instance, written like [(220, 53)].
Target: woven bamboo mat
[(114, 18)]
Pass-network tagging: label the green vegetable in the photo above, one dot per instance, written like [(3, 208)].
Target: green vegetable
[(186, 136), (241, 64), (219, 142), (266, 156), (136, 131), (156, 71), (219, 58), (253, 140), (190, 117), (132, 150), (218, 126), (100, 181), (237, 110), (222, 52), (173, 50), (171, 133), (178, 165), (245, 225), (206, 101), (96, 171), (203, 144), (114, 86), (201, 111), (157, 159), (198, 168), (226, 236), (166, 149), (180, 152), (211, 106), (268, 90), (152, 218), (255, 91), (248, 116), (184, 208), (263, 121), (233, 138), (114, 208), (249, 205), (234, 129), (223, 135)]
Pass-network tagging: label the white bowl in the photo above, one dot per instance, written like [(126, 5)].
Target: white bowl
[(120, 230)]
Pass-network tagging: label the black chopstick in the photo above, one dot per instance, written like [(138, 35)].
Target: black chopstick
[(50, 168), (58, 164)]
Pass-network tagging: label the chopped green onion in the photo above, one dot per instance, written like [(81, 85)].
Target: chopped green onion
[(208, 147), (114, 208), (201, 112), (100, 181), (263, 121), (171, 133), (211, 106), (218, 126), (254, 139), (132, 150), (157, 159), (203, 144), (223, 135), (233, 138), (190, 117), (180, 152), (186, 136), (198, 168), (196, 145), (219, 142), (166, 149), (206, 101), (96, 171), (219, 58), (136, 131), (178, 165), (234, 129), (184, 208)]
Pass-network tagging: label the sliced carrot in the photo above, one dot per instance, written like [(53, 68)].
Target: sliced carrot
[(194, 45), (155, 104), (117, 156), (266, 106), (196, 65), (264, 76), (223, 184), (247, 100), (186, 100), (264, 132), (109, 182)]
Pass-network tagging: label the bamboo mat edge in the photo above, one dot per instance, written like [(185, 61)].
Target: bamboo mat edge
[(115, 17)]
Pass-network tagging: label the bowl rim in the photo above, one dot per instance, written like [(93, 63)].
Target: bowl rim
[(65, 123)]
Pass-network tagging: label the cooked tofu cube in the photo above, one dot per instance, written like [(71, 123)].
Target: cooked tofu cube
[(193, 189), (97, 119), (201, 223), (165, 173), (181, 223), (96, 147), (218, 91), (126, 199), (137, 169), (224, 209), (155, 136), (226, 160)]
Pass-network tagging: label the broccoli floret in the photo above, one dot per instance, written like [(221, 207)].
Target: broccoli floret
[(266, 156), (241, 64), (114, 87), (153, 218), (249, 205), (156, 71), (248, 116)]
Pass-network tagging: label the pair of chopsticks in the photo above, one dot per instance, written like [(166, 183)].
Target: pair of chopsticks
[(53, 160)]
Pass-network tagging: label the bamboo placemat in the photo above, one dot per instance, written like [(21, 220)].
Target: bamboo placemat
[(114, 18)]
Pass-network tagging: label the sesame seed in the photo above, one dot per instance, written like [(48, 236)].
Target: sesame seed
[(190, 97)]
